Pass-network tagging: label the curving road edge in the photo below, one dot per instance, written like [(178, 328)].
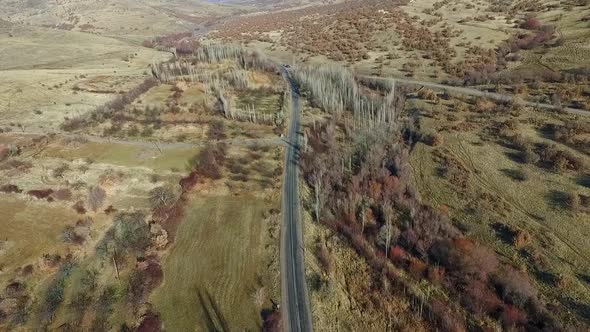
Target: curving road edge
[(295, 301)]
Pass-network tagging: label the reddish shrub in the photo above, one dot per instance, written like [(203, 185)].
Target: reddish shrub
[(417, 268), (444, 210), (480, 299), (272, 322), (14, 289), (531, 23), (521, 238), (110, 209), (465, 258), (436, 274), (398, 254), (148, 43), (27, 270), (515, 287), (208, 162), (512, 316), (445, 319), (40, 194), (143, 279), (150, 322), (188, 182), (4, 152), (63, 194), (187, 46), (433, 139), (79, 207), (480, 261)]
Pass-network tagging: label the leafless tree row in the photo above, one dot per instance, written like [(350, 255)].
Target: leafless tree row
[(334, 89), (247, 59)]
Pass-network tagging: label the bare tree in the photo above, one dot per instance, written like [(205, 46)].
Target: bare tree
[(387, 231), (163, 196), (318, 190), (365, 206), (96, 197), (259, 297)]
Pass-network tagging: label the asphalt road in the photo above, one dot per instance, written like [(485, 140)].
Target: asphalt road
[(295, 301), (476, 92)]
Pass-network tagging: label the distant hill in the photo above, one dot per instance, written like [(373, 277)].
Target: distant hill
[(126, 18)]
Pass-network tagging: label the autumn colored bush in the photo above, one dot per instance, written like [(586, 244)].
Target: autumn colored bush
[(146, 276), (150, 322), (189, 181), (427, 94), (481, 299), (531, 23), (436, 274), (79, 207), (433, 138), (182, 42), (402, 230), (272, 321), (560, 160), (208, 162), (417, 268), (521, 238), (398, 255), (40, 193), (445, 319)]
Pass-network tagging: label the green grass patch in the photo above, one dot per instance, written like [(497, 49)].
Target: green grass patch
[(125, 155)]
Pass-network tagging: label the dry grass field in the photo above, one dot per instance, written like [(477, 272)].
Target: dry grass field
[(218, 264), (27, 235)]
